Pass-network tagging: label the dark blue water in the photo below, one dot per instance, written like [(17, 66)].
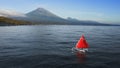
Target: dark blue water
[(49, 46)]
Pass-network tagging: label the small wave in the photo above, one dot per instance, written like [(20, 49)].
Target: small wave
[(48, 34), (65, 42)]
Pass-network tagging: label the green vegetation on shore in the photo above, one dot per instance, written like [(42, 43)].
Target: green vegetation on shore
[(8, 21)]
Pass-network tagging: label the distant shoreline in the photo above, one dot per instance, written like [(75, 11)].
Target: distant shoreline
[(12, 22)]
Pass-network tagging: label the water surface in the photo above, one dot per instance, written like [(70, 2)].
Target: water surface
[(49, 46)]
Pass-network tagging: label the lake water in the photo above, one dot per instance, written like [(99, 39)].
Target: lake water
[(49, 46)]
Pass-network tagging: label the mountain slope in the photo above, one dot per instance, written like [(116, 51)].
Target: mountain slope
[(43, 15), (40, 12), (74, 21)]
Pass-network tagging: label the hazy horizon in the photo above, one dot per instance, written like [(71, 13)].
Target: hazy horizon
[(97, 10)]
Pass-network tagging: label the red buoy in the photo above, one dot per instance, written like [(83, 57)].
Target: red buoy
[(82, 43)]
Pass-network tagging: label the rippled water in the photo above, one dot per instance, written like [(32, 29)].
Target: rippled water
[(49, 46)]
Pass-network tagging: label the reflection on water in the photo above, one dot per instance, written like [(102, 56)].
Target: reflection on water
[(81, 57)]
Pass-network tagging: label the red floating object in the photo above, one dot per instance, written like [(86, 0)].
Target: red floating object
[(82, 43)]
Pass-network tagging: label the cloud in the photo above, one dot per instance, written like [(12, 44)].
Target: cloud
[(6, 12)]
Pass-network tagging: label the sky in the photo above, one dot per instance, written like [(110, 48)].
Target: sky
[(107, 11)]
